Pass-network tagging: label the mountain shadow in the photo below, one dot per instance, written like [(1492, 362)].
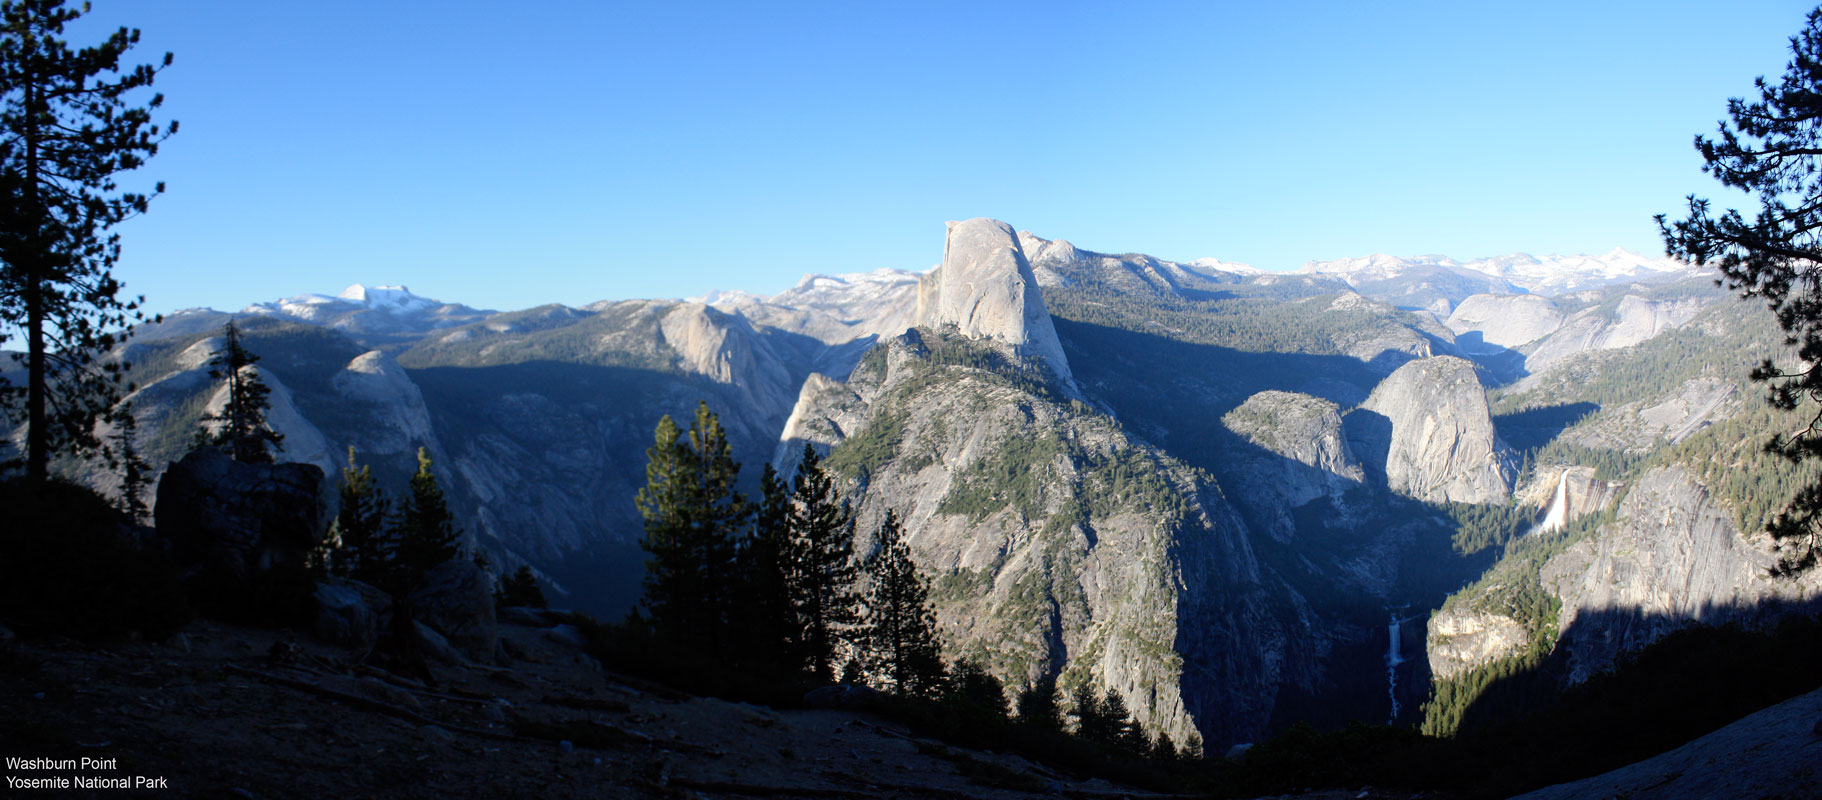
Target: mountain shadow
[(1355, 554), (549, 456), (1527, 728), (1528, 430)]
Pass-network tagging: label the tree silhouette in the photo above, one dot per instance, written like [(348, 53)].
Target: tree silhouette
[(424, 533), (819, 564), (1769, 148), (1037, 704), (899, 634), (767, 622), (133, 469), (692, 514), (240, 426), (66, 132), (361, 548), (521, 589)]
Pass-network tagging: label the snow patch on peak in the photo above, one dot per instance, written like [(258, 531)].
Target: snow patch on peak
[(391, 298)]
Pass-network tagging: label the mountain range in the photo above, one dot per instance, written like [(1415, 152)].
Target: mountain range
[(1241, 498)]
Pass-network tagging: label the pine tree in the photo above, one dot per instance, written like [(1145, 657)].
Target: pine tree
[(1126, 733), (241, 427), (971, 685), (1164, 749), (1092, 721), (1037, 704), (424, 533), (820, 564), (520, 589), (1772, 148), (693, 513), (362, 548), (66, 132), (133, 469), (899, 635), (768, 623)]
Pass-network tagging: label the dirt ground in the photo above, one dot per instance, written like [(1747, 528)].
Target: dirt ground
[(214, 713)]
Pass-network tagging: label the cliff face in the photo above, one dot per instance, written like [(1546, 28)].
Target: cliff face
[(1672, 556), (1054, 542), (986, 289), (1461, 640), (1431, 422)]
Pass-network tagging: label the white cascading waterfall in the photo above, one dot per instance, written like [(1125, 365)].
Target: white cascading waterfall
[(1393, 657), (1558, 515)]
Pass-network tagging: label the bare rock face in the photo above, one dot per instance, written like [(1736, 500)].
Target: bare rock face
[(1505, 320), (240, 521), (1634, 320), (1301, 454), (986, 289), (399, 422), (1461, 640), (725, 349), (826, 410), (1672, 557), (1431, 422)]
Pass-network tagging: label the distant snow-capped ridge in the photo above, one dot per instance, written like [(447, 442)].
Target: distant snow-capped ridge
[(371, 308), (821, 290), (395, 299), (390, 298), (1545, 275)]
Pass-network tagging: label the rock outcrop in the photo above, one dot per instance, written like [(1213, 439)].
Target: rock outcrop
[(986, 289), (241, 522), (1431, 430), (1461, 640), (456, 601), (1300, 454)]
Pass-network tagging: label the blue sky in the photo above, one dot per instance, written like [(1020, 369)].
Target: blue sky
[(506, 155)]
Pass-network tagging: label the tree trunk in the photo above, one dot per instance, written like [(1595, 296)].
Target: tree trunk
[(37, 435)]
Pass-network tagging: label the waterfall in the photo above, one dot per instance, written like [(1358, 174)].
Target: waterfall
[(1393, 658), (1558, 515)]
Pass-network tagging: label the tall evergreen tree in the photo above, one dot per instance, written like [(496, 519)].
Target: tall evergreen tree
[(767, 620), (424, 533), (693, 513), (1126, 733), (1092, 722), (133, 469), (973, 686), (362, 551), (899, 634), (1037, 704), (66, 133), (820, 564), (520, 589), (1771, 148), (240, 427)]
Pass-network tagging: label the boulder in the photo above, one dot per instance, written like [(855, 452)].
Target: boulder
[(240, 521), (349, 613), (456, 600)]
